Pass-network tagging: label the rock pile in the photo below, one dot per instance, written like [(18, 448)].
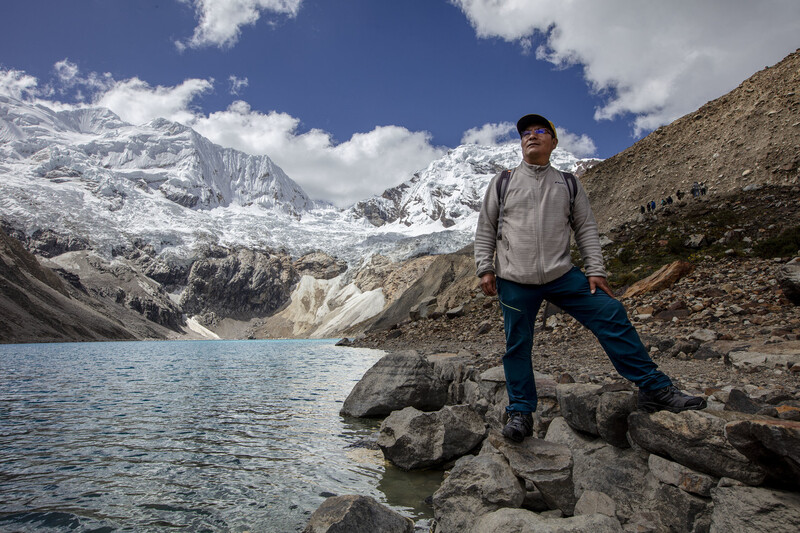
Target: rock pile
[(595, 461)]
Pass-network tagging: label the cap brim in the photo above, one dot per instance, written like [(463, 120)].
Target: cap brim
[(534, 120)]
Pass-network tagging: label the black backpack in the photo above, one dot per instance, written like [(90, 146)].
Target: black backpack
[(501, 186)]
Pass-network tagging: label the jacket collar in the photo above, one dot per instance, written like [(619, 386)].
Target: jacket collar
[(534, 169)]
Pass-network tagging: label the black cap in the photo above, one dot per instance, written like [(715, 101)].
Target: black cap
[(535, 120)]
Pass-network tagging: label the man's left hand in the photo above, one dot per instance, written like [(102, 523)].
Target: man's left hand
[(600, 282)]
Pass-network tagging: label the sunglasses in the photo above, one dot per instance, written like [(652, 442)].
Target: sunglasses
[(539, 131)]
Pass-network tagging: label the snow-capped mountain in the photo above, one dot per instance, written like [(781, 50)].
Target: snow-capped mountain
[(95, 145), (88, 174)]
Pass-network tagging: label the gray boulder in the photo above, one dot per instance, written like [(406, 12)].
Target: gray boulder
[(696, 241), (397, 380), (476, 485), (423, 309), (592, 502), (773, 445), (704, 335), (677, 510), (742, 509), (695, 439), (548, 465), (707, 351), (578, 402), (356, 514), (782, 355), (454, 370), (412, 439), (560, 431), (684, 478), (522, 521), (622, 474), (612, 413), (738, 400)]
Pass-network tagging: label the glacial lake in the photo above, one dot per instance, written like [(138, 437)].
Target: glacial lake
[(187, 435)]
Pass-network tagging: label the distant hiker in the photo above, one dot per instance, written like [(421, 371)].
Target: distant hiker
[(679, 194), (702, 189), (648, 207), (653, 205), (522, 254), (663, 202), (669, 200), (695, 190), (641, 209)]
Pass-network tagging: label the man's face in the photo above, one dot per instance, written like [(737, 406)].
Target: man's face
[(537, 145)]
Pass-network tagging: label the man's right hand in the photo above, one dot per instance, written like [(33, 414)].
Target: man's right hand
[(489, 284)]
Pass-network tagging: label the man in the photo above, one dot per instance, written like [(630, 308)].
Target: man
[(528, 261)]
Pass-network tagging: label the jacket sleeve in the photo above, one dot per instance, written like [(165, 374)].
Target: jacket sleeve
[(586, 234), (486, 232)]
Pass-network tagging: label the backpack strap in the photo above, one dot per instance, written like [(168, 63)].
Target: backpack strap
[(572, 185), (501, 186)]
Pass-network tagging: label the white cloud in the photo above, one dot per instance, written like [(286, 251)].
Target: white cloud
[(489, 134), (69, 78), (66, 71), (220, 21), (135, 101), (237, 84), (366, 164), (577, 145), (17, 84), (654, 60)]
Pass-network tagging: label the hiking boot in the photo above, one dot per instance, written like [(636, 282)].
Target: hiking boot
[(669, 399), (519, 426)]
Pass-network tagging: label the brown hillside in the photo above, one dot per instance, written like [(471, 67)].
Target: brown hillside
[(749, 136)]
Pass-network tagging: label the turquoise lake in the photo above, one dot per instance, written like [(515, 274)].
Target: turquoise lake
[(186, 435)]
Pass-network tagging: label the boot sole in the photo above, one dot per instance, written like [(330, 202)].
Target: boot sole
[(649, 407)]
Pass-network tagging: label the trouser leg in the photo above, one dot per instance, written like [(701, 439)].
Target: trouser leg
[(519, 303), (608, 320)]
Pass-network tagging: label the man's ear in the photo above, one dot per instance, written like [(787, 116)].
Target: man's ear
[(555, 142)]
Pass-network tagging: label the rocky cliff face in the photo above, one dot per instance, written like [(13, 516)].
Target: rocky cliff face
[(238, 283)]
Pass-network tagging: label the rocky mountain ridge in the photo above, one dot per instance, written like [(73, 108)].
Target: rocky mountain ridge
[(748, 137)]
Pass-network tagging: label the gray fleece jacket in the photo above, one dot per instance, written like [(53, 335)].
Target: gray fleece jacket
[(534, 245)]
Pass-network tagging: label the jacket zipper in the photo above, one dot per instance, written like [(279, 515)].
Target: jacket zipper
[(538, 183)]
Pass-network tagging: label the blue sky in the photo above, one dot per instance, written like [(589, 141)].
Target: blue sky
[(353, 96)]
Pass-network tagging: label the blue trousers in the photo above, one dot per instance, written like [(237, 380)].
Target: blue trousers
[(602, 314)]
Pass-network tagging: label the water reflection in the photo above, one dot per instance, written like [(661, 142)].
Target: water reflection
[(405, 491)]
